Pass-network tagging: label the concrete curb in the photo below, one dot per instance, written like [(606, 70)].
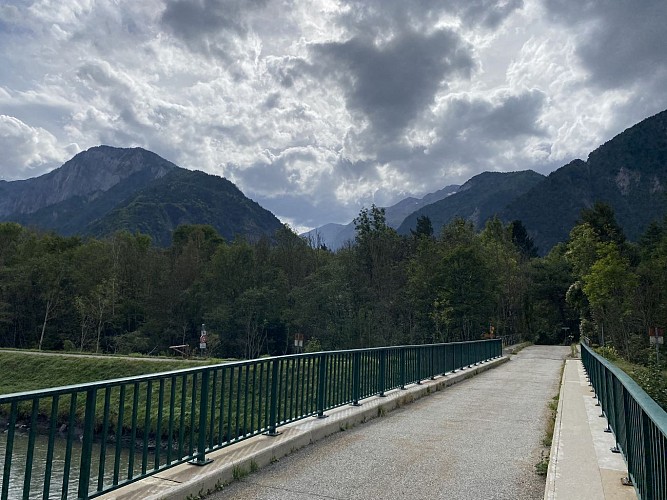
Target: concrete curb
[(233, 462), (581, 465), (550, 487)]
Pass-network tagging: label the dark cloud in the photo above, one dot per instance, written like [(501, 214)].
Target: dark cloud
[(620, 42), (487, 13), (209, 26), (504, 118), (391, 84), (483, 133), (377, 17)]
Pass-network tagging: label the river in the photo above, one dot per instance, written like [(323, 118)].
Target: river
[(58, 461)]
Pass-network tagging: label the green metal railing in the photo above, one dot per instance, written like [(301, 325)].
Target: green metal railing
[(100, 436), (638, 423)]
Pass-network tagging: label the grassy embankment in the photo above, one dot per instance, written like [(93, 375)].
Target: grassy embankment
[(28, 371)]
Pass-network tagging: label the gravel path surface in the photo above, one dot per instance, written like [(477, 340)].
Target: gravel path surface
[(479, 439)]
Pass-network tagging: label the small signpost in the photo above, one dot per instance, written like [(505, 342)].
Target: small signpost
[(202, 340), (298, 342), (656, 335)]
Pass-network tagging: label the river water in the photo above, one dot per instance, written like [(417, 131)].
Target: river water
[(20, 450)]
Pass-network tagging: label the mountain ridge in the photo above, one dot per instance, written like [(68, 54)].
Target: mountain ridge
[(106, 189)]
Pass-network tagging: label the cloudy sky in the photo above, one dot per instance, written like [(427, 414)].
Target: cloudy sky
[(317, 107)]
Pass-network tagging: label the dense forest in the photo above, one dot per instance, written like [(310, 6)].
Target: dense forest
[(122, 294)]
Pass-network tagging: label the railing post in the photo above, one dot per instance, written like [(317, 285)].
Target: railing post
[(87, 445), (13, 412), (382, 373), (321, 387), (203, 413), (418, 362), (401, 360), (273, 402), (356, 369), (432, 362), (647, 491)]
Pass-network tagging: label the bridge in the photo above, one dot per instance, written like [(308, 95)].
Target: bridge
[(479, 438)]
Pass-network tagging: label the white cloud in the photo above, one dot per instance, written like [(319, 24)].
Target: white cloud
[(316, 107), (27, 150)]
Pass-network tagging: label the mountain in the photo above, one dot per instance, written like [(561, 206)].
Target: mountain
[(99, 172), (479, 199), (105, 189), (334, 236), (188, 197), (629, 172)]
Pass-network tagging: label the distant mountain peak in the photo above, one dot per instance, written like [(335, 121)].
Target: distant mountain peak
[(104, 189), (335, 236), (88, 173)]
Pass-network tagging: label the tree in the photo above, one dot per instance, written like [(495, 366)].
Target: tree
[(424, 228), (521, 240), (602, 220), (609, 287)]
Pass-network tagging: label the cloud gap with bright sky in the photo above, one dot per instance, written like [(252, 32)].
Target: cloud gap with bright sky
[(315, 108)]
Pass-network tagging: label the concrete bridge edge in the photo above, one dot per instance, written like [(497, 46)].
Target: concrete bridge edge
[(235, 461)]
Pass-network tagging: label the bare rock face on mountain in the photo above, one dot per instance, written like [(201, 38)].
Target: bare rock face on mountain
[(629, 173), (108, 189), (87, 175)]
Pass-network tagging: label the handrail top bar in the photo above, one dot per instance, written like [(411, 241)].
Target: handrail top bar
[(103, 384), (652, 409)]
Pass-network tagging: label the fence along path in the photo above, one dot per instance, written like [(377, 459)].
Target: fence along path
[(116, 432), (478, 439)]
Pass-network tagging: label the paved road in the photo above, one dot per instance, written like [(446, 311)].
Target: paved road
[(479, 439)]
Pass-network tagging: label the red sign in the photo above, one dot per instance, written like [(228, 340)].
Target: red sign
[(656, 335), (656, 331)]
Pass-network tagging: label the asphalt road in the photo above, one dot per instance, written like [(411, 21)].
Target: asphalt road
[(479, 439)]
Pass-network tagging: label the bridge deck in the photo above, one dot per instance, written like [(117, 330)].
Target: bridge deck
[(478, 439)]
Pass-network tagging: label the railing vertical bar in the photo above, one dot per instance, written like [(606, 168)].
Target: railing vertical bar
[(245, 400), (260, 396), (230, 399), (158, 425), (253, 396), (53, 423), (68, 449), (273, 403), (133, 440), (147, 427), (9, 448), (104, 438), (193, 412), (203, 413), (211, 424), (30, 452), (237, 429), (279, 382), (648, 457), (222, 405), (382, 381), (87, 445), (119, 434), (356, 372), (172, 411), (300, 379), (293, 399), (321, 385), (181, 420)]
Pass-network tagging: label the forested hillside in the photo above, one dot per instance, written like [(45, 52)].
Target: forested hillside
[(629, 173), (478, 200), (122, 294)]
